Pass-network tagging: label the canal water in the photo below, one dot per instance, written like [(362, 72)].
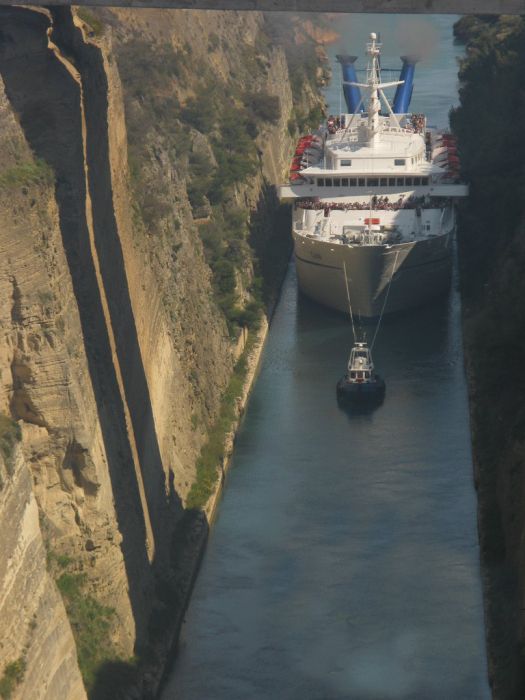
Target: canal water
[(344, 562)]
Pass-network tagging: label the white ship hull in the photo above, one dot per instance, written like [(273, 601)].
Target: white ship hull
[(420, 271)]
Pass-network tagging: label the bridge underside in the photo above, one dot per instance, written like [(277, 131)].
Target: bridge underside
[(509, 7)]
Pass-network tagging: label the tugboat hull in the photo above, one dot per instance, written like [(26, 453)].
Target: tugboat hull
[(365, 391)]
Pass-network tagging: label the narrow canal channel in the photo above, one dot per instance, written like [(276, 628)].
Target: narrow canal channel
[(344, 560)]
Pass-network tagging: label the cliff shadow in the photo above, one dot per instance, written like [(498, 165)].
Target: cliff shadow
[(270, 238), (88, 59), (47, 101)]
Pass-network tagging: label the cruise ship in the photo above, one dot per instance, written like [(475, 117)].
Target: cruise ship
[(373, 195)]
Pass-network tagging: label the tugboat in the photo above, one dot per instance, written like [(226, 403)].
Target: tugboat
[(360, 382)]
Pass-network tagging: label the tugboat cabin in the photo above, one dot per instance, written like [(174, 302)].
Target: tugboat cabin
[(360, 365)]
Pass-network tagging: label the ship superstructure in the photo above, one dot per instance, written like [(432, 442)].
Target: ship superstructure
[(373, 199)]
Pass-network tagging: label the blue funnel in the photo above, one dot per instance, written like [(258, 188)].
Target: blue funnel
[(404, 92), (352, 94)]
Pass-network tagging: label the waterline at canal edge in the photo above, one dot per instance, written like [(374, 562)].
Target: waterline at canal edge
[(198, 537)]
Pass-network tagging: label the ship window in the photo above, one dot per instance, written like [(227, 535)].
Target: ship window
[(367, 375), (344, 182), (337, 182), (428, 227), (391, 181), (408, 181), (400, 181), (320, 182), (361, 182), (424, 180), (383, 182), (352, 375), (417, 181), (328, 182), (346, 163), (399, 161), (373, 182)]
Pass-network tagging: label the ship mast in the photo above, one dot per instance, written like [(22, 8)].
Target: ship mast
[(375, 90), (373, 80)]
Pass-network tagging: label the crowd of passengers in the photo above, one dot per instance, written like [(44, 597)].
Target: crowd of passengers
[(418, 123), (334, 123), (376, 203)]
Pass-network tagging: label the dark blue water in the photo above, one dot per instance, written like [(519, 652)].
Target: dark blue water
[(344, 559)]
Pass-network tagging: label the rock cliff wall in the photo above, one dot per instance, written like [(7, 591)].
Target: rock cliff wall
[(492, 258), (36, 635), (140, 243)]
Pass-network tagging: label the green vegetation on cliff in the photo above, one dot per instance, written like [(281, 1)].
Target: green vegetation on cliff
[(210, 123), (489, 125), (213, 451), (212, 165), (96, 27), (12, 676), (90, 621), (10, 434), (36, 172), (307, 67)]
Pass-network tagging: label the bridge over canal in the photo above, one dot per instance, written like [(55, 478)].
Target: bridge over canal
[(513, 7)]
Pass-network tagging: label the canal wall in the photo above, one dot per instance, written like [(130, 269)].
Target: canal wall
[(492, 259), (139, 246), (192, 538)]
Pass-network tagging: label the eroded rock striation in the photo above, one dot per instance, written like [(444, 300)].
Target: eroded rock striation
[(36, 634), (140, 242)]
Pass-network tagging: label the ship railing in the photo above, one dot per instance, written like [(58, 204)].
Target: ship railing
[(374, 238), (343, 134), (397, 130), (377, 206)]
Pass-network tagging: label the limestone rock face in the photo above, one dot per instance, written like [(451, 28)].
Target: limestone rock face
[(188, 355), (114, 353), (33, 621)]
